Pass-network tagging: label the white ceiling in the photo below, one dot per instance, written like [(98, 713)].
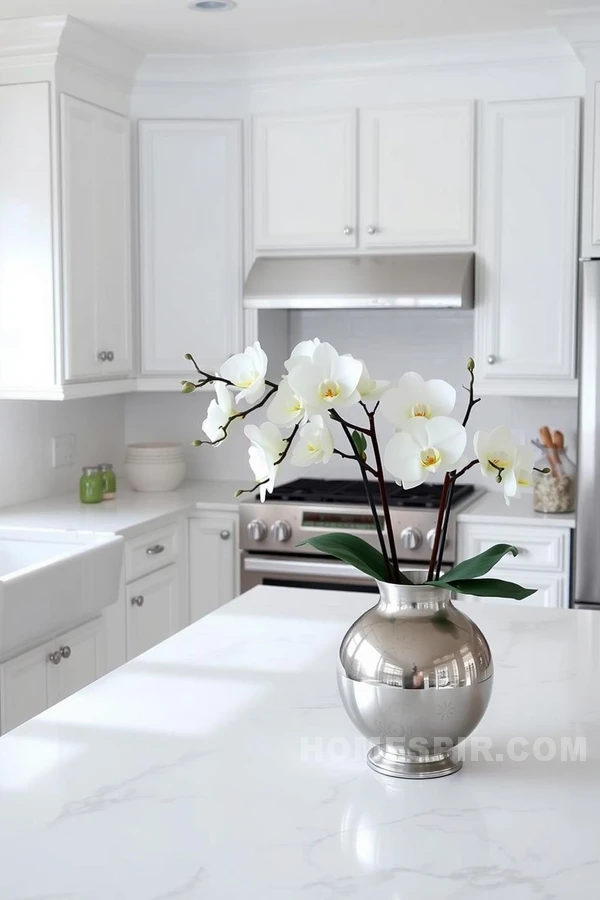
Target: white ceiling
[(167, 26)]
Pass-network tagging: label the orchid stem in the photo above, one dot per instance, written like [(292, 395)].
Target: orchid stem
[(363, 471)]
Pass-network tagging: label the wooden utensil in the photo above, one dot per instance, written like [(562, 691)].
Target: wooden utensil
[(546, 439)]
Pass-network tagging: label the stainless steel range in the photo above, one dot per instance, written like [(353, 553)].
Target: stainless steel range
[(270, 532)]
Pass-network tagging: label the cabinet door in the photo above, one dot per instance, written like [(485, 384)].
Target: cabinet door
[(96, 241), (591, 184), (113, 242), (25, 686), (304, 181), (191, 243), (214, 563), (525, 311), (153, 610), (82, 660), (417, 175), (550, 591)]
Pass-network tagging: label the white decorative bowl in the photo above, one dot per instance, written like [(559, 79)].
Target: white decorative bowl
[(155, 476)]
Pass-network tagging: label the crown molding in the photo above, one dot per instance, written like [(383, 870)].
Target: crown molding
[(52, 38), (354, 60), (581, 28)]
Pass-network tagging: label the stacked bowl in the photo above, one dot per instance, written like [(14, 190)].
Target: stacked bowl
[(155, 467)]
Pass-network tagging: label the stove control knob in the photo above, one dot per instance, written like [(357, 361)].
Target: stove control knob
[(281, 531), (431, 538), (257, 530), (411, 538)]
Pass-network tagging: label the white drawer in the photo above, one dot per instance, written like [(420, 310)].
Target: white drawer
[(551, 590), (151, 551), (540, 548)]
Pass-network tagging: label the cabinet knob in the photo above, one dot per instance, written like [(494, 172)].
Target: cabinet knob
[(492, 358), (225, 535), (155, 549), (348, 230), (65, 651), (110, 355), (55, 657), (137, 601), (371, 229), (102, 356)]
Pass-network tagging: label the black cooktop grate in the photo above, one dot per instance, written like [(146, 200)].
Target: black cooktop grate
[(322, 490)]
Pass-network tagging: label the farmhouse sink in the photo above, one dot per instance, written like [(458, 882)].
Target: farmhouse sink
[(52, 580)]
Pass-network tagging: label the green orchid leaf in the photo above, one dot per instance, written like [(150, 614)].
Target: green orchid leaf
[(485, 587), (478, 565), (360, 442), (351, 549)]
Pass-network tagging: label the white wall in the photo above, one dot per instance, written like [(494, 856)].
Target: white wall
[(435, 344), (27, 428)]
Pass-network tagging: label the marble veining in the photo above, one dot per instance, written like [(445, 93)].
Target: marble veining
[(220, 765)]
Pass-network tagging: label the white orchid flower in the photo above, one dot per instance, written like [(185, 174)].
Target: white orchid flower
[(286, 408), (247, 371), (267, 446), (219, 412), (305, 349), (424, 447), (326, 381), (416, 398), (369, 388), (500, 457), (314, 443)]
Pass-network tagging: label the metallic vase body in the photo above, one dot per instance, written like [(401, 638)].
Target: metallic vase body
[(415, 675)]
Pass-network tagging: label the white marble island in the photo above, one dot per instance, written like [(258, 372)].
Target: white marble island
[(220, 764)]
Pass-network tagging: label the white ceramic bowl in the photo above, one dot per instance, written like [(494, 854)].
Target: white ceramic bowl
[(154, 452), (155, 476)]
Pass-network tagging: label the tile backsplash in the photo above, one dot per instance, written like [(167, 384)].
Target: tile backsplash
[(28, 426)]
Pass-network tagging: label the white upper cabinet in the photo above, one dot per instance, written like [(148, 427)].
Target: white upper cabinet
[(96, 241), (417, 175), (591, 194), (65, 253), (527, 286), (191, 245), (304, 181)]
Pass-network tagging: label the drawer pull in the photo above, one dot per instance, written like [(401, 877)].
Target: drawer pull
[(155, 549), (225, 535), (55, 657), (65, 651), (137, 601)]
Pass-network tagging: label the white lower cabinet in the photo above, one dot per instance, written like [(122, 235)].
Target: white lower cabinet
[(214, 563), (153, 610), (39, 678), (543, 562)]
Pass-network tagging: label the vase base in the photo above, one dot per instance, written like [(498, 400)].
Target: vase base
[(387, 761)]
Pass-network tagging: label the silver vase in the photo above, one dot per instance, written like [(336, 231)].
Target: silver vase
[(415, 675)]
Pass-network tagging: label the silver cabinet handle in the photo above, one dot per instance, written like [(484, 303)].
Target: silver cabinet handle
[(102, 356), (492, 358), (55, 657), (110, 355), (371, 229), (137, 601), (348, 230), (155, 549), (65, 651), (225, 535)]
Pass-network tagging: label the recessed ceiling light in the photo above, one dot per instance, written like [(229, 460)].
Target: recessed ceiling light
[(212, 5)]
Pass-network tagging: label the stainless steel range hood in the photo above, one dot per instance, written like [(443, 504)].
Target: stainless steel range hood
[(417, 281)]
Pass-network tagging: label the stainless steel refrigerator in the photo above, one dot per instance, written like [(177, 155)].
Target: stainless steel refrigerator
[(587, 532)]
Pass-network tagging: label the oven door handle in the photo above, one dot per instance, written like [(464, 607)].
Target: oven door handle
[(309, 567)]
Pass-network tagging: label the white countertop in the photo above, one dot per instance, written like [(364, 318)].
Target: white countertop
[(129, 512), (490, 507), (195, 772)]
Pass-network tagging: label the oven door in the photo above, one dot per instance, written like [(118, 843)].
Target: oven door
[(320, 573)]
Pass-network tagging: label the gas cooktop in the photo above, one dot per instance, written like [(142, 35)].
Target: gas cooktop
[(321, 490)]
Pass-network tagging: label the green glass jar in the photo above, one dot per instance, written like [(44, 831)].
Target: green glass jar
[(91, 485), (109, 481)]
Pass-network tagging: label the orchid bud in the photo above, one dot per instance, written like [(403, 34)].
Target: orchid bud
[(470, 365)]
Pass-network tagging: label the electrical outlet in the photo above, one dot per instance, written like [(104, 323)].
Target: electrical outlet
[(63, 450)]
